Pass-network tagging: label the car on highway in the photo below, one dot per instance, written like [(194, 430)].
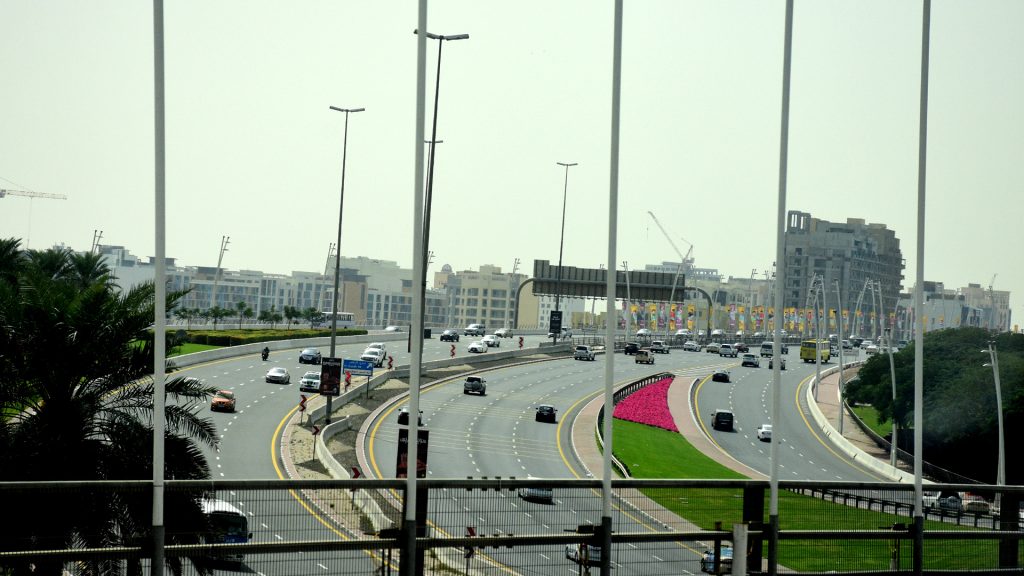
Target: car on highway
[(279, 375), (722, 419), (393, 329), (771, 363), (741, 347), (449, 336), (847, 345), (545, 413), (930, 499), (871, 350), (310, 382), (377, 346), (477, 347), (751, 360), (659, 347), (717, 333), (474, 330), (644, 333), (691, 346), (683, 332), (503, 332), (631, 348), (720, 376), (583, 353), (564, 334), (474, 385), (310, 356), (727, 350), (403, 417), (375, 356), (492, 341), (707, 561), (950, 503), (865, 343), (536, 494), (712, 347), (976, 504), (583, 554), (764, 432), (223, 400), (643, 356)]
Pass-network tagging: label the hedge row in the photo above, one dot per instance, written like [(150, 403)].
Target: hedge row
[(239, 337)]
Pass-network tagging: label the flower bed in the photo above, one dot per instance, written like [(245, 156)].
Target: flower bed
[(648, 405)]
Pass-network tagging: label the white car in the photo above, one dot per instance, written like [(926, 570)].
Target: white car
[(764, 432), (393, 329), (310, 382), (644, 333), (376, 346), (492, 341), (582, 554), (691, 346), (503, 332), (375, 356), (478, 347)]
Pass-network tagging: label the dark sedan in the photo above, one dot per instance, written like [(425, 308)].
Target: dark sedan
[(449, 336), (631, 348), (720, 376), (310, 356), (545, 413)]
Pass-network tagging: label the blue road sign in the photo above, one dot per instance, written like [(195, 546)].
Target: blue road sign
[(357, 367)]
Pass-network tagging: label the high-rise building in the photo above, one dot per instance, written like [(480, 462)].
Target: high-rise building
[(853, 253)]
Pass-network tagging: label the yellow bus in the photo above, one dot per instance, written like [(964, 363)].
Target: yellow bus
[(807, 350)]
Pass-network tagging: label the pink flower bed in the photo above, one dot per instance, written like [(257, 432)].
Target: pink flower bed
[(648, 405)]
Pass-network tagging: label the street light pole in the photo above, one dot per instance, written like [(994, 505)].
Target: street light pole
[(337, 244), (994, 363), (561, 240)]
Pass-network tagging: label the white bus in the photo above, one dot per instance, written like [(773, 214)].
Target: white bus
[(345, 320), (227, 525)]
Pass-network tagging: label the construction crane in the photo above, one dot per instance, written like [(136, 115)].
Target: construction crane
[(683, 259), (4, 192)]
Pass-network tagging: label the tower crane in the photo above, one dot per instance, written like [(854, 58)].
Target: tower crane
[(683, 259), (4, 192)]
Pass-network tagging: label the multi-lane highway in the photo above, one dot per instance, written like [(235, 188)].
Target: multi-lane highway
[(497, 435)]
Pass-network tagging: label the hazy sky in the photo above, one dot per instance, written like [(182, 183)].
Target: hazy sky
[(254, 153)]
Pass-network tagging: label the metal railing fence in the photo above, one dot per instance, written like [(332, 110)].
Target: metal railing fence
[(499, 526)]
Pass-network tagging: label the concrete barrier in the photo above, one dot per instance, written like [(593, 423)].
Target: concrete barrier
[(277, 346), (361, 499), (844, 445)]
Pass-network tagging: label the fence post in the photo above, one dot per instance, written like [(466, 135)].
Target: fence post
[(739, 549)]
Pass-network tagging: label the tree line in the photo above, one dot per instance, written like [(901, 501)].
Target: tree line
[(960, 425)]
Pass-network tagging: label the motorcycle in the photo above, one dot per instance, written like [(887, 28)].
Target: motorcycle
[(265, 354)]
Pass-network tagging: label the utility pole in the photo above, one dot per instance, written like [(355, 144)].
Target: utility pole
[(224, 241), (625, 266)]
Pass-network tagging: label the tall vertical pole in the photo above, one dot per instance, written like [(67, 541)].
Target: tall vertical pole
[(887, 334), (842, 366), (159, 291), (609, 365), (561, 240), (780, 258), (337, 259), (408, 566), (629, 312), (430, 191), (224, 241), (919, 316), (1001, 466)]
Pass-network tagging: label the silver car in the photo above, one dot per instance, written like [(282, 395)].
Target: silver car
[(279, 375)]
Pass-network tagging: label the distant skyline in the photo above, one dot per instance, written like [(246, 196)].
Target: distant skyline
[(254, 153)]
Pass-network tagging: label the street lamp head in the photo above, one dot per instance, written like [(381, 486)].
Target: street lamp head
[(567, 164), (347, 109), (443, 37)]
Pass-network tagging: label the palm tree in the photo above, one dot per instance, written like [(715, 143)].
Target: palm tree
[(12, 259), (75, 376), (240, 306), (87, 268)]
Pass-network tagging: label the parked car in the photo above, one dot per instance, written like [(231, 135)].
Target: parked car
[(278, 375), (631, 348), (583, 353), (503, 332), (727, 350), (474, 330), (310, 382), (477, 347), (741, 347), (374, 356), (223, 400), (691, 346), (751, 360), (720, 376), (643, 356), (659, 347), (712, 347), (764, 432), (449, 336), (545, 413), (707, 561), (722, 419), (492, 341), (310, 356), (771, 363), (474, 385)]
